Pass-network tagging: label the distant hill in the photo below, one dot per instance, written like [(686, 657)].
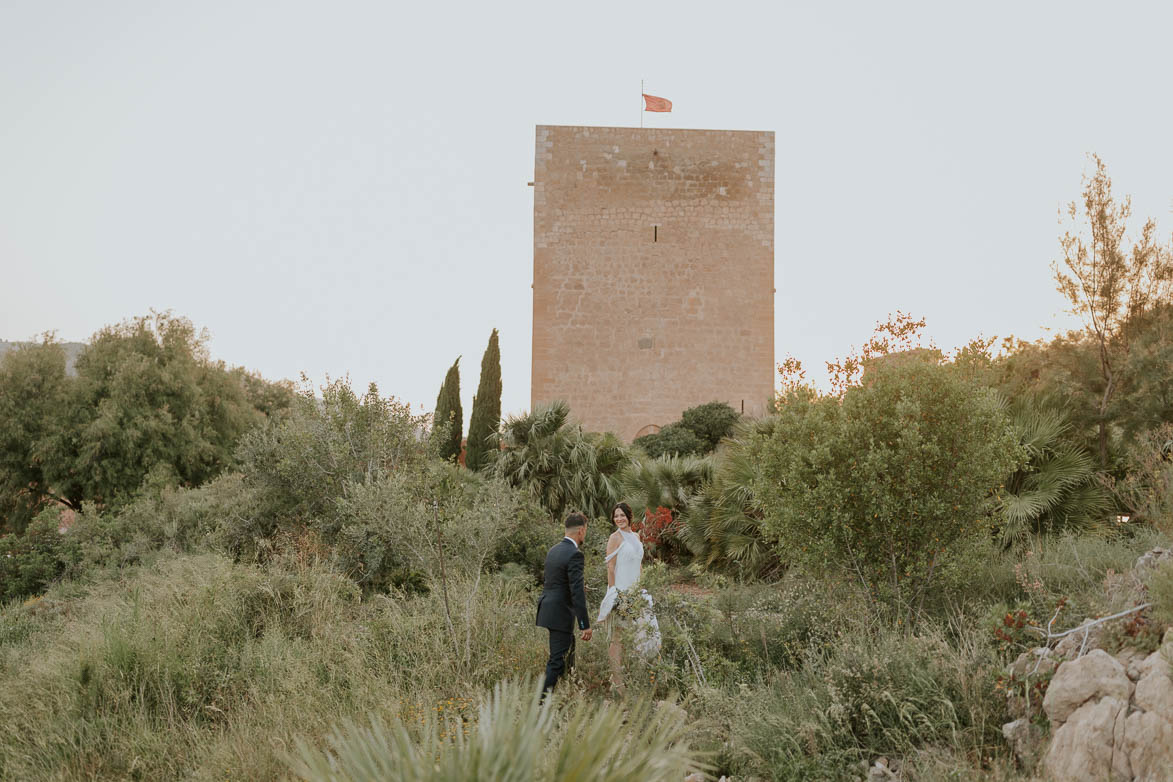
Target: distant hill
[(72, 349)]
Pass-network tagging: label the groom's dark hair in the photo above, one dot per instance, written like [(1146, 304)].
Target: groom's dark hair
[(575, 520)]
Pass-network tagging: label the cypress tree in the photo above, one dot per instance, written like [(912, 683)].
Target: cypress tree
[(486, 409), (448, 409)]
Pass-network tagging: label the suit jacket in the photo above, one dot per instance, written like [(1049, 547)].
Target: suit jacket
[(563, 598)]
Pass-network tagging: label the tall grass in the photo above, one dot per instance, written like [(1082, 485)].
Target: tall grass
[(196, 667)]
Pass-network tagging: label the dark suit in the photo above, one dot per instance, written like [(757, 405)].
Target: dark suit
[(563, 600)]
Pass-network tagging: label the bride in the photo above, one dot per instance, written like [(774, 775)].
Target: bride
[(625, 553)]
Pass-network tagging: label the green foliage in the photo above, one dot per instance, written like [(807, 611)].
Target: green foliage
[(710, 422), (147, 400), (668, 483), (150, 395), (1065, 374), (411, 519), (178, 519), (30, 561), (722, 525), (526, 547), (561, 466), (672, 440), (1111, 286), (665, 482), (34, 394), (299, 466), (202, 668), (875, 694), (885, 481), (1160, 591), (144, 680), (448, 421), (698, 432), (1056, 489), (1147, 490), (486, 409), (515, 736)]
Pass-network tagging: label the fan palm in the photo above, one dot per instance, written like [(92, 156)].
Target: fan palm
[(564, 467), (665, 482), (722, 525), (1057, 488)]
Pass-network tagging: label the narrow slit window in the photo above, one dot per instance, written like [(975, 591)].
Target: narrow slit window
[(655, 233)]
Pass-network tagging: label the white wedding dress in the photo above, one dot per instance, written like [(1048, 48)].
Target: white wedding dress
[(628, 562)]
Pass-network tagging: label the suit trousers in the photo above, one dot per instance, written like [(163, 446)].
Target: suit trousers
[(561, 657)]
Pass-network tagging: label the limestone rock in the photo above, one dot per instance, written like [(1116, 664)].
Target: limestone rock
[(1151, 558), (1131, 660), (882, 771), (1070, 645), (1154, 662), (1154, 693), (1024, 738), (1090, 744), (1095, 675), (1148, 742), (1030, 662)]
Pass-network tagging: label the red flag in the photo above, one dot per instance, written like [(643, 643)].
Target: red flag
[(652, 103)]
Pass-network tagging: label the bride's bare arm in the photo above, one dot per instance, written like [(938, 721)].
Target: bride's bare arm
[(612, 543)]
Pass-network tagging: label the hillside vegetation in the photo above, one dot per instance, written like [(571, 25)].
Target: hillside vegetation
[(209, 576)]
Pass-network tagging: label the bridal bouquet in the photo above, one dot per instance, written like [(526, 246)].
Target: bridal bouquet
[(634, 608), (630, 604)]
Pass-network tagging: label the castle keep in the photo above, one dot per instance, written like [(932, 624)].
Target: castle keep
[(653, 273)]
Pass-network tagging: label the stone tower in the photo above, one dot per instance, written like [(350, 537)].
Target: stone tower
[(653, 273)]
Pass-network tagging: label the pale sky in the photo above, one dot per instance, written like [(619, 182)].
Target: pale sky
[(336, 188)]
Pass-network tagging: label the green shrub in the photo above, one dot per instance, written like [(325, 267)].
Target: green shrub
[(672, 440), (710, 422), (887, 481), (526, 546), (29, 562), (154, 673), (884, 694), (299, 466), (146, 401), (1160, 586), (425, 519), (1147, 489)]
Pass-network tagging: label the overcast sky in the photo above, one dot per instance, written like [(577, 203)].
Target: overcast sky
[(340, 187)]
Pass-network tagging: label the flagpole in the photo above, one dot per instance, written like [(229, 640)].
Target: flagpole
[(641, 103)]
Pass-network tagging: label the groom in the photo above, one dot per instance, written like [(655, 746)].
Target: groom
[(563, 599)]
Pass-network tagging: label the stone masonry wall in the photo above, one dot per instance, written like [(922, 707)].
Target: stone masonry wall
[(653, 272)]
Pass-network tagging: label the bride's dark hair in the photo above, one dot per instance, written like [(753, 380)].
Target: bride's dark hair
[(623, 506)]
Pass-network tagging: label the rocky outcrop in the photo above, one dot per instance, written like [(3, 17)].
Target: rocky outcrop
[(1151, 559), (1111, 716), (1094, 676)]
